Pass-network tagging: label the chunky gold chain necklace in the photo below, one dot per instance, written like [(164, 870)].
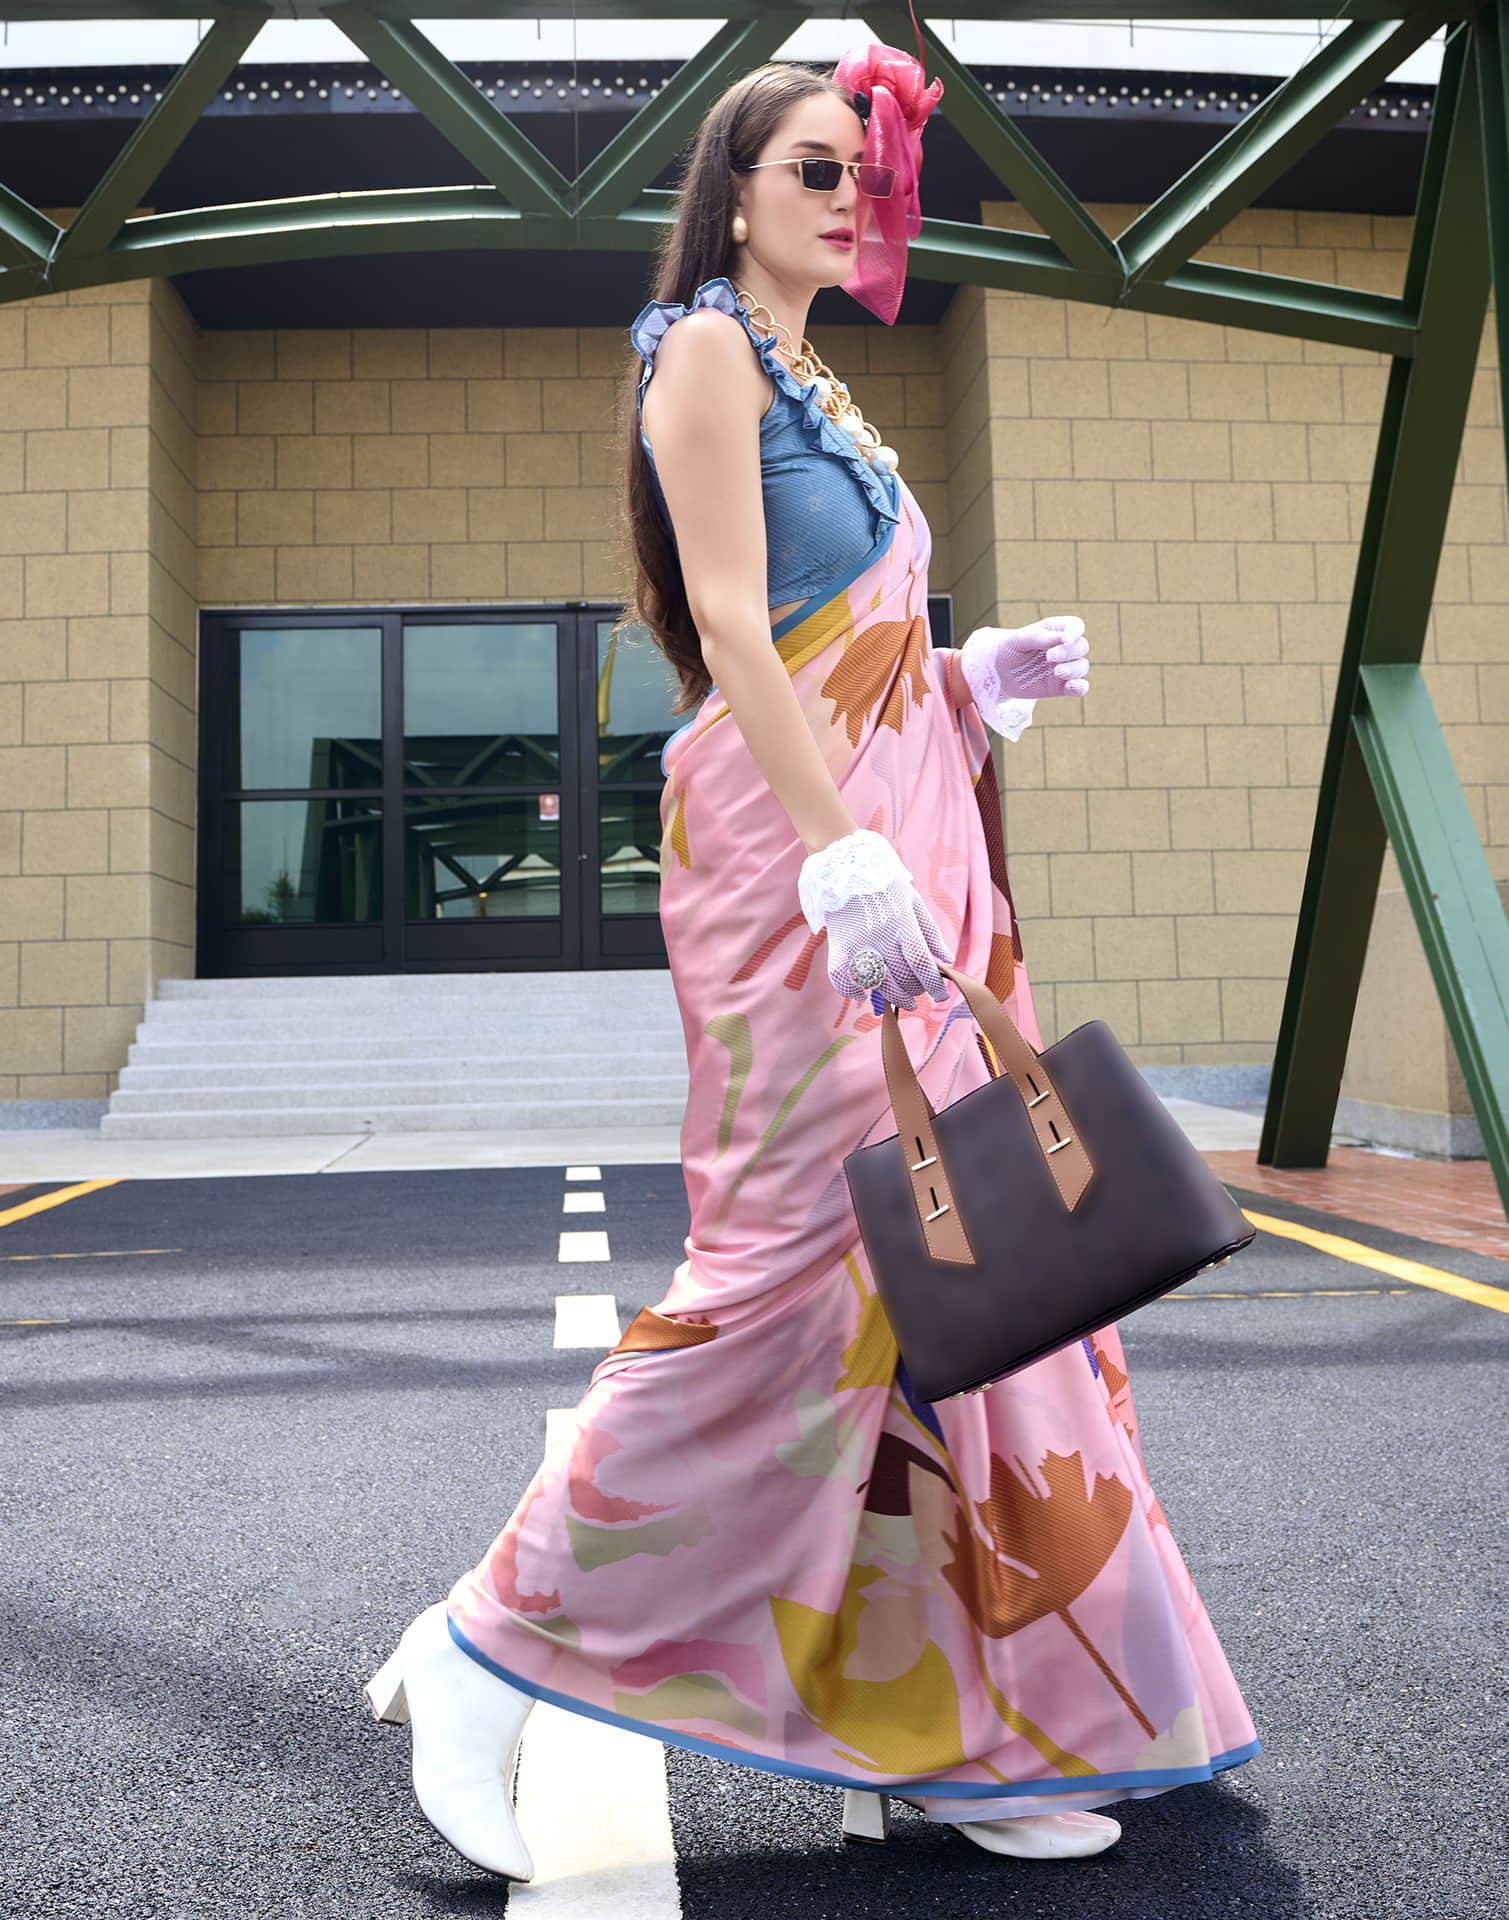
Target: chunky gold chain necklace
[(832, 394)]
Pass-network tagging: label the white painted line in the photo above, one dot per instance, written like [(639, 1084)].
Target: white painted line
[(584, 1173), (586, 1320), (584, 1246), (593, 1807), (584, 1203), (594, 1814)]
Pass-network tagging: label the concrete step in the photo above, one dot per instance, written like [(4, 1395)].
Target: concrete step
[(352, 1017), (617, 983), (143, 1089), (540, 1119), (366, 1058), (389, 1052)]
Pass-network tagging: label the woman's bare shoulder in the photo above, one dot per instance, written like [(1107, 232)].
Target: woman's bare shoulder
[(706, 358)]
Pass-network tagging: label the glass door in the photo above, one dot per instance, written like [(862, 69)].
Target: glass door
[(627, 687), (433, 790), (485, 864)]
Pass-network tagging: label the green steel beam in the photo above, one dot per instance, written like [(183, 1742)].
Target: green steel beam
[(129, 177), (664, 125), (1013, 160), (1419, 440), (1451, 890), (1268, 140), (1493, 75), (457, 110), (435, 219), (26, 236), (633, 10)]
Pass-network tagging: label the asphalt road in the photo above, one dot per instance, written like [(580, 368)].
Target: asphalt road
[(277, 1416)]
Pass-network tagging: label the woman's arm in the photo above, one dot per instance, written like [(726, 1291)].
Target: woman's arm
[(707, 454)]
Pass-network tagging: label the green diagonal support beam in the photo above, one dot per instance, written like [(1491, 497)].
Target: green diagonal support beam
[(1011, 157), (1419, 440), (1270, 139), (662, 127), (26, 236), (129, 177), (453, 106), (1451, 890), (1493, 77)]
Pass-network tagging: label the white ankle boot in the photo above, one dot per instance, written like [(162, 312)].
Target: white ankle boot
[(1029, 1836), (466, 1724)]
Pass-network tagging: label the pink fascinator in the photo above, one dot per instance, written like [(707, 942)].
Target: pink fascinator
[(891, 82)]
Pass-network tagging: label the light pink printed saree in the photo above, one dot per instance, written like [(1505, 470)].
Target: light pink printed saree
[(755, 1542)]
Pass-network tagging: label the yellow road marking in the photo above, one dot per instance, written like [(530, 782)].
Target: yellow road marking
[(104, 1253), (29, 1207), (35, 1323), (1290, 1293), (1390, 1263)]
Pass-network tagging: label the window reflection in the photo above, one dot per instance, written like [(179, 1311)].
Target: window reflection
[(480, 705), (482, 859), (295, 862), (306, 707), (629, 851), (635, 688)]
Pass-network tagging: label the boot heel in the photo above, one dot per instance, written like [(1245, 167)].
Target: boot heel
[(385, 1694), (867, 1816)]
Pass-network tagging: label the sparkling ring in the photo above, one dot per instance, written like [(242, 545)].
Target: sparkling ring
[(866, 967)]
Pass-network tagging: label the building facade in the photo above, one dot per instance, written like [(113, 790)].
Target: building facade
[(308, 662)]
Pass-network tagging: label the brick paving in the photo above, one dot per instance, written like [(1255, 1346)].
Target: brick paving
[(1453, 1202)]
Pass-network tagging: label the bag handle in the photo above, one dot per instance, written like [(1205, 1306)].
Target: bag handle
[(1058, 1139)]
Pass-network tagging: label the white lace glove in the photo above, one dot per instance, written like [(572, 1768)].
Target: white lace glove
[(1010, 668), (859, 889)]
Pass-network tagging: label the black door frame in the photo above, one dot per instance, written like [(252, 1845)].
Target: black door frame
[(580, 938)]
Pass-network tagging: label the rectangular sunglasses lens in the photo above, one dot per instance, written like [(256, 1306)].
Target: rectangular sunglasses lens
[(876, 181), (821, 175)]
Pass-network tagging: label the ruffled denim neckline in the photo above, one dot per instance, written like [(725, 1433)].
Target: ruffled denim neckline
[(657, 315)]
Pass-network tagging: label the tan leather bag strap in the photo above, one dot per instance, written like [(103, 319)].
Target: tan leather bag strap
[(1063, 1151)]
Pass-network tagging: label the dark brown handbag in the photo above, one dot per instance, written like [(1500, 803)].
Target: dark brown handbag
[(1051, 1201)]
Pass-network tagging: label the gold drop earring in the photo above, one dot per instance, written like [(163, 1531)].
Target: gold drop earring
[(739, 228)]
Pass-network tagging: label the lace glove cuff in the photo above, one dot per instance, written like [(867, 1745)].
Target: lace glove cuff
[(859, 862), (1009, 716)]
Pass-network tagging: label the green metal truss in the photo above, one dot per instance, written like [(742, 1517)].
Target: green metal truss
[(1387, 778)]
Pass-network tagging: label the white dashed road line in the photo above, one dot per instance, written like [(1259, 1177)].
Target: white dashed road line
[(586, 1320), (589, 1245), (594, 1814), (592, 1799)]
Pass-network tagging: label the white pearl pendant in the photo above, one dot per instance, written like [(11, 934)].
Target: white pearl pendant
[(824, 389), (853, 425), (886, 457)]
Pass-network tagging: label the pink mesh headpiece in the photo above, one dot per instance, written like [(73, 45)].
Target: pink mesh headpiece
[(899, 104)]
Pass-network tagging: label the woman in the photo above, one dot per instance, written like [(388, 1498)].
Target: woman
[(756, 1542)]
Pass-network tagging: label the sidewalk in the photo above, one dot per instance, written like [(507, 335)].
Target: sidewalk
[(1454, 1203)]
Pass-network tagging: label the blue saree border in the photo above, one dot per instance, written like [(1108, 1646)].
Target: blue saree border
[(952, 1789)]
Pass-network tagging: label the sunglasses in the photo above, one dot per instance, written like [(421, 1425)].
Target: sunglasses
[(822, 176)]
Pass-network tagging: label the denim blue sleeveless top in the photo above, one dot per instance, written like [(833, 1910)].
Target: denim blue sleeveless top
[(828, 513)]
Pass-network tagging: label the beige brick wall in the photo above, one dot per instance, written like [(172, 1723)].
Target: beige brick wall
[(459, 465), (96, 678), (1196, 493)]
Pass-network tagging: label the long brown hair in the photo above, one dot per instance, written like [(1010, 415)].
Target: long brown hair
[(697, 247)]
